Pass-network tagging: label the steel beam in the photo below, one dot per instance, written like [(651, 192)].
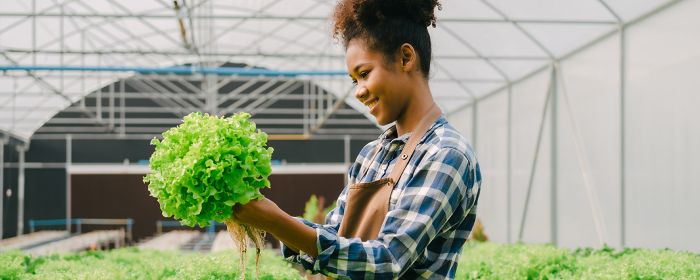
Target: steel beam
[(290, 18)]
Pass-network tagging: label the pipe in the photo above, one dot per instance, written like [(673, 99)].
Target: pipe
[(179, 70)]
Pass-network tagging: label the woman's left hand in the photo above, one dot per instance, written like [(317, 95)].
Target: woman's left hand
[(260, 214)]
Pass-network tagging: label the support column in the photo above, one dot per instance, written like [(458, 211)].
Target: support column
[(554, 169), (69, 189), (509, 170), (2, 187), (20, 190), (623, 80)]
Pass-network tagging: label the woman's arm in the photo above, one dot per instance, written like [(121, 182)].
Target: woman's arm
[(266, 215)]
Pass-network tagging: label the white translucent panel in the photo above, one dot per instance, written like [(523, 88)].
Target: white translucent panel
[(464, 69), (320, 9), (236, 8), (271, 44), (464, 9), (631, 9), (448, 90), (12, 7), (238, 37), (528, 102), (553, 9), (491, 143), (588, 143), (106, 6), (516, 69), (444, 44), (292, 8), (562, 39), (306, 32), (482, 89), (260, 26), (462, 120), (15, 37), (495, 39), (449, 105), (143, 7), (662, 156)]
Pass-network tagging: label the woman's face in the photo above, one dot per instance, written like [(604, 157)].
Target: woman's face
[(379, 85)]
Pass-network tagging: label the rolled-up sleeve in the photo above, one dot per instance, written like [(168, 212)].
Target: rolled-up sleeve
[(436, 191)]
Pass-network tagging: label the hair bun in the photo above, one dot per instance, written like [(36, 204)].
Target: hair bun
[(372, 12)]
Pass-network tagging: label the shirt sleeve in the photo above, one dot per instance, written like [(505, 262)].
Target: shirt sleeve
[(332, 220), (436, 191)]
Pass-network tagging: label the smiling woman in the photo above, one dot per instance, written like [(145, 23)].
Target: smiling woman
[(411, 197)]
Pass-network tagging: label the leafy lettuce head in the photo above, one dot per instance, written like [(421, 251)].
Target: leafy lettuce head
[(206, 165)]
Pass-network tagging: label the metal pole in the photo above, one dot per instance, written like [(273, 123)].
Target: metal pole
[(20, 190), (306, 106), (623, 80), (111, 106), (521, 229), (2, 187), (69, 189), (34, 32), (122, 113), (554, 147), (509, 170), (62, 37)]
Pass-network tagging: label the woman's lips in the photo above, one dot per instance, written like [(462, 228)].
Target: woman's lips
[(372, 104)]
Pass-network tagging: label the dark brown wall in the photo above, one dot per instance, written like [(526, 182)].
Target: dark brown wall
[(126, 196), (115, 197)]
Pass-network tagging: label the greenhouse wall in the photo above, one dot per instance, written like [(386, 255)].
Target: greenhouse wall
[(618, 155), (45, 175)]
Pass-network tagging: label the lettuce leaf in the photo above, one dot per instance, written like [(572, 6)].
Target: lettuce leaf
[(206, 165)]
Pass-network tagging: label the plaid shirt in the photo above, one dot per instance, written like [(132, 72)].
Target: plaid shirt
[(431, 213)]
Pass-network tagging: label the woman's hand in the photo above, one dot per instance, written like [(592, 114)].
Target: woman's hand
[(266, 215), (260, 214)]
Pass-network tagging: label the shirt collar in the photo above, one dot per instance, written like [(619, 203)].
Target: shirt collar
[(390, 133)]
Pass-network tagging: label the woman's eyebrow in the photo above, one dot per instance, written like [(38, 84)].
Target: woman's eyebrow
[(354, 70)]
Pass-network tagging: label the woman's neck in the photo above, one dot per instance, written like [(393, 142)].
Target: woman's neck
[(417, 108)]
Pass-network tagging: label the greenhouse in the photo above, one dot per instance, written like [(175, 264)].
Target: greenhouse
[(130, 129)]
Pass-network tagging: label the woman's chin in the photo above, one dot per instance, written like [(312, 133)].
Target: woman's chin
[(381, 120)]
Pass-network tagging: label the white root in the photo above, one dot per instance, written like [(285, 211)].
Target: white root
[(239, 234)]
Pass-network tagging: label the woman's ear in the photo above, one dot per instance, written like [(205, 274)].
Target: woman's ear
[(409, 59)]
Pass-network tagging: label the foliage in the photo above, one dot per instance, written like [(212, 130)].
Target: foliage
[(207, 164), (132, 263), (312, 207), (521, 261)]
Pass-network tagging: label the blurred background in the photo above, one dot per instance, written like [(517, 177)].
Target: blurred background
[(582, 113)]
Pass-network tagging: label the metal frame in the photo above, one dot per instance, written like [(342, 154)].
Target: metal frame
[(622, 26), (93, 26)]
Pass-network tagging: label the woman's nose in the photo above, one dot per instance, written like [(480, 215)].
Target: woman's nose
[(361, 93)]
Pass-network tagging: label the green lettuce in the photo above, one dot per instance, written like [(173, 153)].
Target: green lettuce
[(206, 165)]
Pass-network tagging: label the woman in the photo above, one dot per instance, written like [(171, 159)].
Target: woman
[(411, 199)]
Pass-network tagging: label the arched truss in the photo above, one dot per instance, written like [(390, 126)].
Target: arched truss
[(480, 47)]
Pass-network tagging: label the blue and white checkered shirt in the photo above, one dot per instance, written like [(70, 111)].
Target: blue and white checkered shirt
[(431, 213)]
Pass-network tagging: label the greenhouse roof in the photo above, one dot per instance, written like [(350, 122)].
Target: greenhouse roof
[(479, 47)]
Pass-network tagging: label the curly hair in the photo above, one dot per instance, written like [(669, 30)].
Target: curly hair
[(388, 24)]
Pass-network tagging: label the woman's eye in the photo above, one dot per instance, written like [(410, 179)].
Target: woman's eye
[(354, 82), (363, 74)]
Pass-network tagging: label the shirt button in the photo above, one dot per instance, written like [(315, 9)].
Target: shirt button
[(404, 156)]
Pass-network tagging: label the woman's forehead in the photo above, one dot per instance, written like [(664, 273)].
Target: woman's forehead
[(359, 53)]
